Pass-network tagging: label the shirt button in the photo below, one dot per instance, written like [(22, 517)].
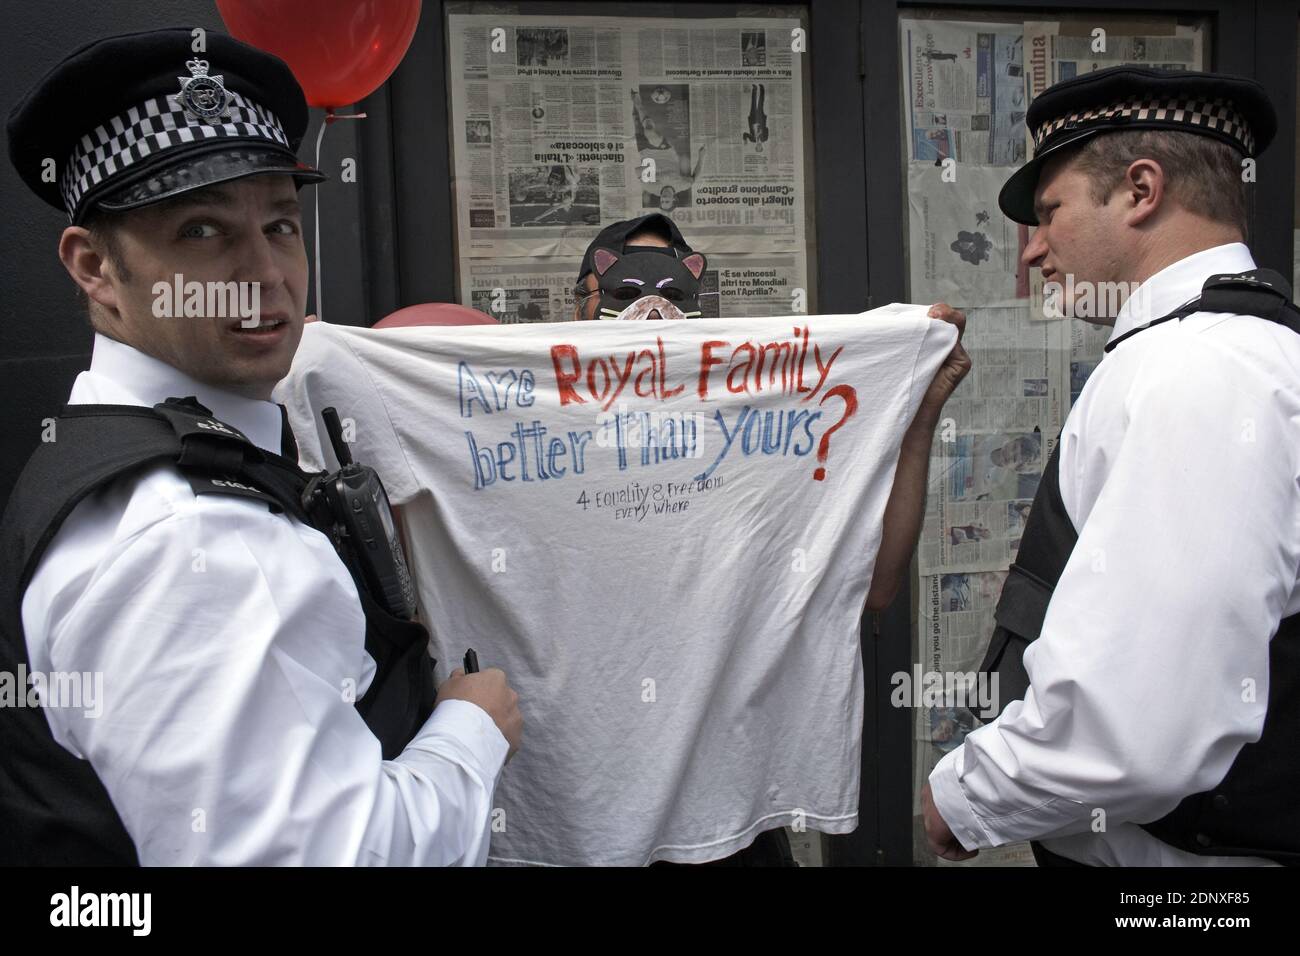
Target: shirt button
[(1220, 802), (1203, 840)]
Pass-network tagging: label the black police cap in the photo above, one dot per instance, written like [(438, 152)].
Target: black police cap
[(134, 119), (615, 236), (1232, 109)]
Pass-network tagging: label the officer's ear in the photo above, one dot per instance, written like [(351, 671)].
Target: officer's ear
[(1142, 189), (92, 263), (87, 264)]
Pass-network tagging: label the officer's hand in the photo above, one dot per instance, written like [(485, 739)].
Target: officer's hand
[(942, 843), (488, 689), (954, 367)]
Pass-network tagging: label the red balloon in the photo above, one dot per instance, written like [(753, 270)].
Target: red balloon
[(341, 51), (434, 313)]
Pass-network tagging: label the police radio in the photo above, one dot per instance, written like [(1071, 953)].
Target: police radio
[(361, 522)]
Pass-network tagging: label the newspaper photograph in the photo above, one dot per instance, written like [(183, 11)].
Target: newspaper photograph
[(981, 487), (961, 248), (563, 125), (965, 92), (994, 466), (974, 534)]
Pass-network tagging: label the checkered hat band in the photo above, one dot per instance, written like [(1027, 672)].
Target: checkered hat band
[(1197, 114), (153, 127)]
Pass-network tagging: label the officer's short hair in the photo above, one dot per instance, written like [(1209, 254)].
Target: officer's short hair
[(1201, 174), (104, 226)]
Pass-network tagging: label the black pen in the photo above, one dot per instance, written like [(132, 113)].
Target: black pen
[(471, 662)]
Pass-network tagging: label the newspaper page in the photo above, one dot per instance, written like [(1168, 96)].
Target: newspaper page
[(1087, 346), (961, 248), (980, 498), (954, 626), (1061, 52), (999, 428), (561, 126), (965, 92)]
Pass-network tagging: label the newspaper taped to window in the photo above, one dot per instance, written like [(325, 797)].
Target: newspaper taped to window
[(954, 622), (1058, 52), (965, 92), (562, 127), (961, 248), (999, 428)]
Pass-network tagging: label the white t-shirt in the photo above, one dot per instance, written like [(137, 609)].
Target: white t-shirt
[(685, 648)]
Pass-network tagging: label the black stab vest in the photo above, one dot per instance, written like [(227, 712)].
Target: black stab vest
[(1253, 811), (53, 808)]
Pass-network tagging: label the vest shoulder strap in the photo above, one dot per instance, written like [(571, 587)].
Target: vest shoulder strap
[(1259, 292), (91, 445)]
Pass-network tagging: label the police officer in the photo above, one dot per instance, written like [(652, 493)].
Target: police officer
[(1156, 593), (245, 698)]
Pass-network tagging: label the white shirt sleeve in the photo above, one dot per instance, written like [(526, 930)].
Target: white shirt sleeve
[(230, 641), (1151, 671)]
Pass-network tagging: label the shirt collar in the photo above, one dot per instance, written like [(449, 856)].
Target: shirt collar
[(1177, 284), (122, 375)]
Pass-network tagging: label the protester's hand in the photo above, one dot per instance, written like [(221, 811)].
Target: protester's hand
[(942, 843), (488, 689), (954, 367)]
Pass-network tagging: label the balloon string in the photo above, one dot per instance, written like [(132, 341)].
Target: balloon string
[(330, 117)]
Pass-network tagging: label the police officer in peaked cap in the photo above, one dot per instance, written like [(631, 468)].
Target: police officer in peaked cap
[(1148, 633), (246, 697)]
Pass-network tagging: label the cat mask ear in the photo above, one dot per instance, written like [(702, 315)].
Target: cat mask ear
[(603, 259), (694, 263)]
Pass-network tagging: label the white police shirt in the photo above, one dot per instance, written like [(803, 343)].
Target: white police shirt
[(228, 638), (1180, 470)]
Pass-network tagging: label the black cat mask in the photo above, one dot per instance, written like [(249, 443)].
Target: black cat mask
[(651, 284)]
